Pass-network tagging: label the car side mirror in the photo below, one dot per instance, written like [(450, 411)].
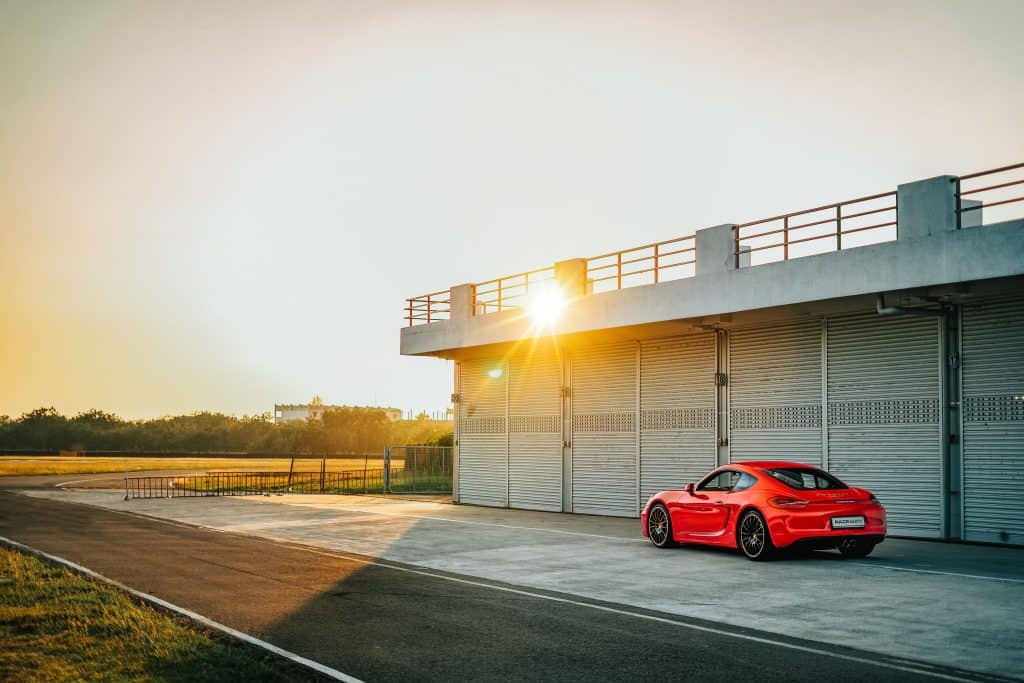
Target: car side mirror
[(689, 489)]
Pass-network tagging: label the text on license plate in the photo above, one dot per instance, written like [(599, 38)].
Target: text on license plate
[(856, 522)]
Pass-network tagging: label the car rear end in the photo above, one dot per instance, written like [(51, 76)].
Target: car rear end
[(824, 518)]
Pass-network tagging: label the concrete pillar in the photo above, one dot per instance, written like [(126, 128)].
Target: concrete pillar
[(571, 276), (744, 256), (462, 302), (972, 217), (926, 207), (716, 249)]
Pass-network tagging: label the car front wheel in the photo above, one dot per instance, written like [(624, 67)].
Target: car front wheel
[(659, 527), (753, 537)]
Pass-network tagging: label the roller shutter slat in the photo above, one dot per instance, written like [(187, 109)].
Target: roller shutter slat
[(535, 439), (884, 430), (677, 403), (604, 437), (775, 393), (993, 440), (483, 446)]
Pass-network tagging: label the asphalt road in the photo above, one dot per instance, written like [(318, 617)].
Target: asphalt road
[(99, 480), (385, 621)]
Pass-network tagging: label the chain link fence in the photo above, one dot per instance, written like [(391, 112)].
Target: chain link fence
[(418, 469)]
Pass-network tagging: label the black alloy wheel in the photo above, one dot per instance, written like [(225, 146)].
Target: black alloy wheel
[(659, 527), (753, 537)]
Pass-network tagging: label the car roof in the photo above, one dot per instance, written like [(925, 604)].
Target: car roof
[(772, 464)]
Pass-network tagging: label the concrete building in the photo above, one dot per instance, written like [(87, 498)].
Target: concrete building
[(881, 338), (290, 412)]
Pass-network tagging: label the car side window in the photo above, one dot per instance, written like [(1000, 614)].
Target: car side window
[(722, 481), (745, 482)]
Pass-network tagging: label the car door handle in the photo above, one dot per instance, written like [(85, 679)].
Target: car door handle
[(719, 502)]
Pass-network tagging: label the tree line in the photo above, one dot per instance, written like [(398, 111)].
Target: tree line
[(345, 430)]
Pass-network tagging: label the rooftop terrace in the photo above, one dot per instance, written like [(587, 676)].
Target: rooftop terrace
[(944, 205)]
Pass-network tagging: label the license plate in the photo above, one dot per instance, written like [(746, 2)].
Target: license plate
[(848, 522)]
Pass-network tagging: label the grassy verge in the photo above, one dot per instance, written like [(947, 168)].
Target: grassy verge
[(36, 465), (58, 626)]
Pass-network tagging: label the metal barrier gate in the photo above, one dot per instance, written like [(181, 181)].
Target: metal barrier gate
[(407, 469), (253, 483)]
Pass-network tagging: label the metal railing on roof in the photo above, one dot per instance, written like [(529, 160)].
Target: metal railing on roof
[(428, 308), (832, 227), (509, 292), (977, 192), (647, 265)]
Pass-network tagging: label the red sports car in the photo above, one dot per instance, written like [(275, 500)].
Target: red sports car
[(762, 506)]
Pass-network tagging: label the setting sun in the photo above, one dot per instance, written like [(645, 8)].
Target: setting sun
[(546, 306)]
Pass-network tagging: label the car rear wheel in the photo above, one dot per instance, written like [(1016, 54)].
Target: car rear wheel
[(856, 547), (659, 527), (753, 537)]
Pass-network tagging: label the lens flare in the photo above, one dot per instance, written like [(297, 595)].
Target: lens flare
[(545, 307)]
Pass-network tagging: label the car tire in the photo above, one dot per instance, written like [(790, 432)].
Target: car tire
[(753, 538), (659, 526), (856, 547)]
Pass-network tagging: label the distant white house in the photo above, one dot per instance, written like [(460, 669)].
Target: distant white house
[(288, 412)]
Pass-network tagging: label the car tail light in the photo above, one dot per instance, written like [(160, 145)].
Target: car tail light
[(787, 502)]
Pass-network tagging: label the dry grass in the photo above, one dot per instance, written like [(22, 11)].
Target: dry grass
[(35, 465), (58, 626)]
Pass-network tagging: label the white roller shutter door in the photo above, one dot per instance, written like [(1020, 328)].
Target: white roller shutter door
[(535, 428), (604, 448), (677, 412), (775, 393), (483, 442), (993, 415), (884, 398)]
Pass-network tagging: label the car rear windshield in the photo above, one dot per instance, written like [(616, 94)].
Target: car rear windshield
[(806, 479)]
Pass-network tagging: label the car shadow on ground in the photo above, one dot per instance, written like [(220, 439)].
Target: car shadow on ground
[(780, 555)]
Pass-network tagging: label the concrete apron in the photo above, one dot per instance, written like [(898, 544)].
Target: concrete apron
[(945, 604)]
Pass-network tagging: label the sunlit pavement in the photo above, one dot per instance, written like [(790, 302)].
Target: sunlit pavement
[(955, 605)]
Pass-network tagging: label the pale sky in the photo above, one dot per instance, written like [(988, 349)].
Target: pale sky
[(222, 205)]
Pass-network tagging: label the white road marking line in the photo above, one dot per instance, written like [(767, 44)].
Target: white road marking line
[(209, 623), (639, 615), (941, 573), (79, 481), (466, 521)]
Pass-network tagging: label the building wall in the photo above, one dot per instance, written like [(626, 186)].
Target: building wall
[(858, 393), (920, 399), (292, 412)]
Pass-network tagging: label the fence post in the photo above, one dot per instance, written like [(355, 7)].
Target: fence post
[(323, 470), (387, 470), (290, 468)]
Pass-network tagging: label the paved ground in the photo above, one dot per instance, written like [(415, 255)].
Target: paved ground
[(399, 623), (946, 604)]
